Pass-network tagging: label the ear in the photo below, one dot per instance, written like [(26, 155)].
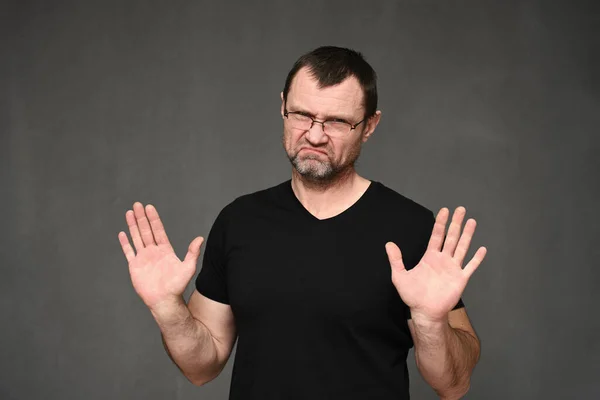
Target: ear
[(282, 105), (371, 124)]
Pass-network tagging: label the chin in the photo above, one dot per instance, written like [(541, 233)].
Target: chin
[(307, 169)]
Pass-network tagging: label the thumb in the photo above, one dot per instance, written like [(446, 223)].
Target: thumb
[(395, 256), (194, 250)]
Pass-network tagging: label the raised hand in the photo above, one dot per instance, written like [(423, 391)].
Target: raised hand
[(433, 287), (157, 274)]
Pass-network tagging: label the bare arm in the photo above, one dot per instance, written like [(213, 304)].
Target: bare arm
[(199, 347), (198, 336), (446, 352), (446, 346)]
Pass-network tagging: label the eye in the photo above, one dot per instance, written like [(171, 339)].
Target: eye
[(300, 116), (337, 122)]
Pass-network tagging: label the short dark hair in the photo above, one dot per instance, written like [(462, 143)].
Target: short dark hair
[(331, 65)]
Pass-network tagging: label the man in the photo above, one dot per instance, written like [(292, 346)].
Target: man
[(308, 275)]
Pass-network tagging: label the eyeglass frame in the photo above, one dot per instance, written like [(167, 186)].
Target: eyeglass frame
[(352, 127)]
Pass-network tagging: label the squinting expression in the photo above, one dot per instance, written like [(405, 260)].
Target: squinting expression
[(314, 155)]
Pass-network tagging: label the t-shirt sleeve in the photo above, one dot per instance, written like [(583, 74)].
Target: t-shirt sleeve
[(422, 248), (212, 279)]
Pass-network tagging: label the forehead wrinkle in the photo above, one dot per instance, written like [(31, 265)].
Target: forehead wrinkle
[(319, 114), (306, 91)]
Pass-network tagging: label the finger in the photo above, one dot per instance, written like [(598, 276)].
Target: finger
[(143, 224), (127, 249), (395, 256), (475, 262), (439, 228), (454, 231), (465, 241), (194, 250), (157, 226), (134, 230)]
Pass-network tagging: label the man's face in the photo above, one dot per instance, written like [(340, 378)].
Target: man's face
[(315, 155)]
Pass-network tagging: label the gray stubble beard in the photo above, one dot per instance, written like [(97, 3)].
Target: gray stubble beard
[(325, 172)]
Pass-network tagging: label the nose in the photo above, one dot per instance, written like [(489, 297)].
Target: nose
[(316, 133)]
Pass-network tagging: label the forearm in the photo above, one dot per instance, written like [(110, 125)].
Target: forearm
[(445, 357), (187, 341)]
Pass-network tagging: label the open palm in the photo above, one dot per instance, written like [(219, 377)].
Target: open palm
[(434, 286), (157, 274)]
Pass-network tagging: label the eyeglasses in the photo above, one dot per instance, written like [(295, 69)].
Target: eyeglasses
[(334, 127)]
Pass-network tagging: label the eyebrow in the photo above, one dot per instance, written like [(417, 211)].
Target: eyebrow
[(326, 118)]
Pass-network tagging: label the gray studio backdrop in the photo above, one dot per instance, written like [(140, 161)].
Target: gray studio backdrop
[(488, 104)]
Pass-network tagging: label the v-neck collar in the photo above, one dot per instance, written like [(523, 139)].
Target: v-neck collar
[(290, 193)]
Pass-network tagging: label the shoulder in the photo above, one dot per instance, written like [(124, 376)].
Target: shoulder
[(251, 202), (404, 221), (236, 217), (401, 205)]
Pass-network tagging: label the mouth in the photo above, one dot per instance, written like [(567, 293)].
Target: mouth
[(313, 150)]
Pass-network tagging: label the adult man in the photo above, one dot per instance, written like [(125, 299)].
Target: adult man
[(308, 274)]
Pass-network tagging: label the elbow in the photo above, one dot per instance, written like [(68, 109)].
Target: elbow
[(463, 391), (456, 392), (200, 375), (201, 379), (198, 381)]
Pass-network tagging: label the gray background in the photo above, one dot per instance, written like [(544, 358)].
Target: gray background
[(488, 104)]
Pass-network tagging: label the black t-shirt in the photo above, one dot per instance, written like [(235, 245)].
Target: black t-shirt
[(316, 312)]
